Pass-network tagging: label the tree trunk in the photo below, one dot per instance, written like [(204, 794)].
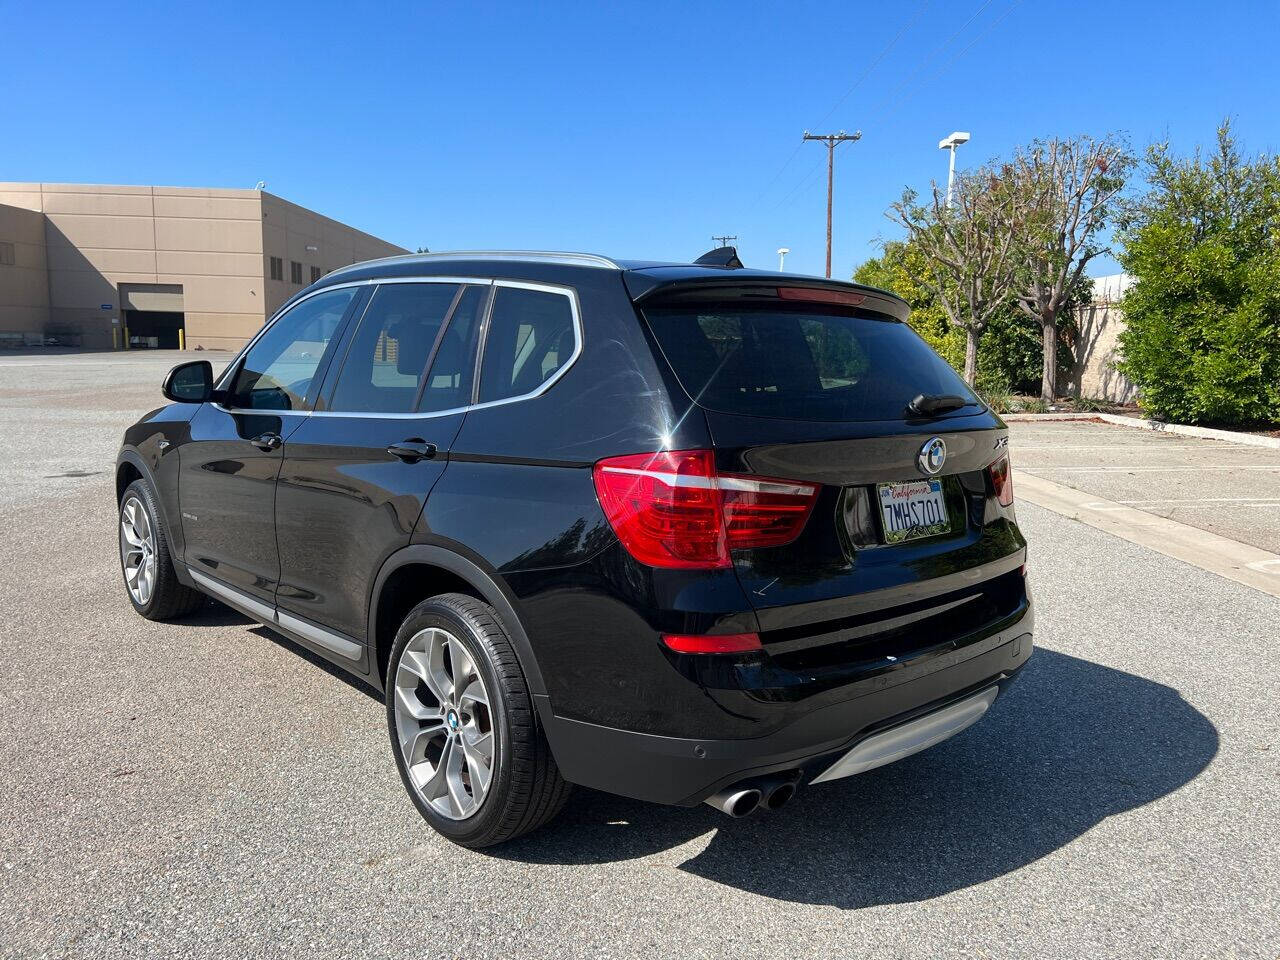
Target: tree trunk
[(971, 355), (1049, 368)]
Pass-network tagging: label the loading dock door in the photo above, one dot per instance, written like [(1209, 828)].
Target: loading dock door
[(153, 329), (153, 314)]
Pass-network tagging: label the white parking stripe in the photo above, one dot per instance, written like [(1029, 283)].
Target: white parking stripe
[(1262, 501), (1153, 469), (1231, 559)]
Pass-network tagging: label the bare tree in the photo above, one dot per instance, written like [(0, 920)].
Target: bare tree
[(1062, 192), (967, 246)]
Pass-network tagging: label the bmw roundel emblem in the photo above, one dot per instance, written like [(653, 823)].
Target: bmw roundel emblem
[(932, 456)]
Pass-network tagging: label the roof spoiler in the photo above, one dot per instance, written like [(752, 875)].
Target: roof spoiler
[(720, 257)]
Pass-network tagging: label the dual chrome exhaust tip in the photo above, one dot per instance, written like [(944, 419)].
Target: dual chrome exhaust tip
[(768, 793)]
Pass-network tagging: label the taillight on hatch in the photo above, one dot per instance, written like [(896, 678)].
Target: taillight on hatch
[(673, 509), (1002, 480)]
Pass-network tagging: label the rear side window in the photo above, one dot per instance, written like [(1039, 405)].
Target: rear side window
[(389, 353), (531, 336), (799, 361)]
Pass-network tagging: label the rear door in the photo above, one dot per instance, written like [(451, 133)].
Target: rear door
[(819, 390), (356, 473)]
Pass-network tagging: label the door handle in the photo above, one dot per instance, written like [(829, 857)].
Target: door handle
[(267, 441), (412, 450)]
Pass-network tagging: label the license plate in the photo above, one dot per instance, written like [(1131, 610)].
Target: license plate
[(913, 510)]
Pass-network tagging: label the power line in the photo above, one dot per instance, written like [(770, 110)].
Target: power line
[(934, 53), (832, 140), (947, 65), (876, 62), (723, 241), (866, 73), (889, 99)]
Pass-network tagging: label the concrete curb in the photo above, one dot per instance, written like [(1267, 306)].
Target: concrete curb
[(1236, 561), (1184, 430)]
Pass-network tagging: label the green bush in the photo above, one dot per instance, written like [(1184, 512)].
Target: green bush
[(1202, 337)]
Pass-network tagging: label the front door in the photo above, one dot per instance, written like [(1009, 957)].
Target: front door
[(227, 485), (357, 473)]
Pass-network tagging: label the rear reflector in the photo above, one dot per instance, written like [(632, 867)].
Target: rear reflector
[(1002, 480), (673, 509), (724, 643), (821, 295)]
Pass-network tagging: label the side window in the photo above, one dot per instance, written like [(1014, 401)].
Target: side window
[(390, 350), (452, 372), (277, 371), (531, 336)]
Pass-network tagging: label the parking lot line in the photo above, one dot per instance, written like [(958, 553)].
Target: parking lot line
[(1085, 468), (1260, 501), (1236, 561)]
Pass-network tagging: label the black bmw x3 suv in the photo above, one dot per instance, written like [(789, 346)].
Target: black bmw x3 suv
[(679, 532)]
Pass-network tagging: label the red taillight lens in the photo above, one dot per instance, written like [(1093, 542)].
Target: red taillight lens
[(1002, 480), (672, 509), (725, 643)]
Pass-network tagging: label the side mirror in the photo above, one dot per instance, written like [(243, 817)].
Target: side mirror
[(190, 382)]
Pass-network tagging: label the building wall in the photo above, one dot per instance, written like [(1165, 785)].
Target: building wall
[(210, 243), (1100, 324), (24, 283), (298, 235)]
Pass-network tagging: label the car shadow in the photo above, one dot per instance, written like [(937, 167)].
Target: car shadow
[(217, 614), (1070, 744)]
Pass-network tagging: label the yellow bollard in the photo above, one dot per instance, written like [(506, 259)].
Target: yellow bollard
[(182, 339), (126, 337)]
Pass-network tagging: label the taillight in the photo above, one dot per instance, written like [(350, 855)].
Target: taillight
[(672, 509), (1002, 480)]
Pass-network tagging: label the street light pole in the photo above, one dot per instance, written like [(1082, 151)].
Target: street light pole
[(782, 256), (950, 143), (832, 140)]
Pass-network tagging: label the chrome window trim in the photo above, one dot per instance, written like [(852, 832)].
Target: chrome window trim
[(575, 313), (235, 361)]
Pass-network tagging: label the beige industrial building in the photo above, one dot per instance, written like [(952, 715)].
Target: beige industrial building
[(102, 267)]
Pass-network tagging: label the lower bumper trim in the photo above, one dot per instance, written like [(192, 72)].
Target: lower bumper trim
[(919, 734)]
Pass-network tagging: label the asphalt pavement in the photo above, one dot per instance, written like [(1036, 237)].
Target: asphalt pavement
[(1231, 489), (203, 789)]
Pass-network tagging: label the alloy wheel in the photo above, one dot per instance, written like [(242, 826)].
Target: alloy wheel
[(444, 723), (138, 551)]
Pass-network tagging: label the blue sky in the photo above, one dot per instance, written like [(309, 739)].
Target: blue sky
[(638, 130)]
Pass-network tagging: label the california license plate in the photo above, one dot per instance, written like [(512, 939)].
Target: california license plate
[(913, 510)]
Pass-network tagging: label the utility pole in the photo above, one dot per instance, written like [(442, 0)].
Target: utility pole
[(723, 241), (832, 140)]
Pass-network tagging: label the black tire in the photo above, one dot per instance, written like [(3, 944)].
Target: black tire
[(526, 789), (169, 596)]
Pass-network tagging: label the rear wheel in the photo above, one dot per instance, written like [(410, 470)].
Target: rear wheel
[(149, 578), (464, 731)]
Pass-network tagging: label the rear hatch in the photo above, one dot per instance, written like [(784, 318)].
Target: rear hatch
[(813, 384)]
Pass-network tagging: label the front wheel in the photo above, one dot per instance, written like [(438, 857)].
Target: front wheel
[(149, 578), (464, 731)]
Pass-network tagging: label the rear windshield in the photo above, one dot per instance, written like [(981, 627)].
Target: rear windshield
[(800, 361)]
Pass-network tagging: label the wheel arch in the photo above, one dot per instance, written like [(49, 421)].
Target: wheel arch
[(130, 467), (419, 571)]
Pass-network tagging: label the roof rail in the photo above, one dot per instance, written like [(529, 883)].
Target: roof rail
[(526, 256)]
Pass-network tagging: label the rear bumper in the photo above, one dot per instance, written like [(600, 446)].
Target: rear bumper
[(684, 771)]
